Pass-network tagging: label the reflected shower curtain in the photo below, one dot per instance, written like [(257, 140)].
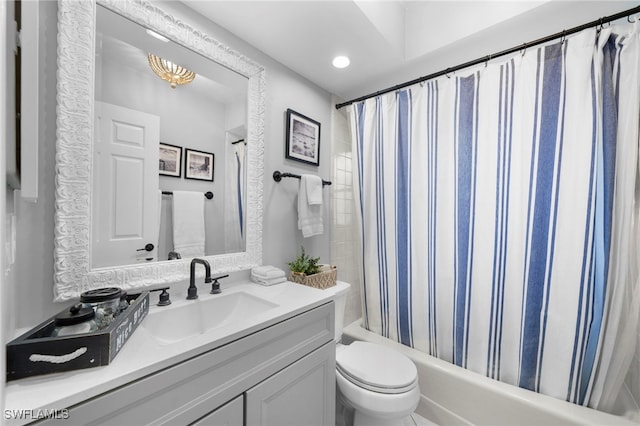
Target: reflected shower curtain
[(496, 212), (234, 198)]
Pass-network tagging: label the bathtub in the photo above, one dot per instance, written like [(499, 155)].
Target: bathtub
[(453, 395)]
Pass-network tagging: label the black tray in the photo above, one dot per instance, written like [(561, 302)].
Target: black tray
[(35, 352)]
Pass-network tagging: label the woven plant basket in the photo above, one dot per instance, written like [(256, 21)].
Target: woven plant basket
[(324, 279)]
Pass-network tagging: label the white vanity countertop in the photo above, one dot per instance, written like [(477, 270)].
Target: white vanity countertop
[(143, 354)]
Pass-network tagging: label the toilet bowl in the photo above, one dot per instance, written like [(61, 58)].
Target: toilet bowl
[(379, 384)]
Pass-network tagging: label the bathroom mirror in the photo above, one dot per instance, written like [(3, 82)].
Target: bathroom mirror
[(78, 174), (144, 126)]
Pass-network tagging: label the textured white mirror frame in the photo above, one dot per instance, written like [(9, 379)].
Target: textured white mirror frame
[(74, 150)]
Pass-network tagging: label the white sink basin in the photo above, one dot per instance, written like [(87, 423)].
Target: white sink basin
[(188, 318)]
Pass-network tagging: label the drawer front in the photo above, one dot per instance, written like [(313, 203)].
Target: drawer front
[(187, 391), (230, 414)]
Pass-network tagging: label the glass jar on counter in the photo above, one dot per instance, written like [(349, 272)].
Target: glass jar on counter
[(105, 302), (124, 303), (77, 319)]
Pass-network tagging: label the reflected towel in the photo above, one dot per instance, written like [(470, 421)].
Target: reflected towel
[(309, 215), (188, 223)]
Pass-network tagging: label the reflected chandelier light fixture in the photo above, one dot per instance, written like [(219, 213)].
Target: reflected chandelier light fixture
[(168, 71)]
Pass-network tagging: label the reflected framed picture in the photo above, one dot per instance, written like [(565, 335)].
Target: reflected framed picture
[(303, 138), (198, 165), (170, 160)]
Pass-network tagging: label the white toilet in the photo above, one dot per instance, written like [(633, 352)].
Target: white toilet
[(379, 384)]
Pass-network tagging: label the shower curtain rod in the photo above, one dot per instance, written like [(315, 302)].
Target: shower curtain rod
[(484, 59)]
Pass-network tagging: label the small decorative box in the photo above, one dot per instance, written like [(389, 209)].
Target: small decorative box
[(326, 278)]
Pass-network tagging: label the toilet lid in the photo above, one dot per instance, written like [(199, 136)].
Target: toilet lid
[(376, 368)]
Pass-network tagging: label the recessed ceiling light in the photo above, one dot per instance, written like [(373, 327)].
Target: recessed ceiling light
[(341, 62), (158, 36)]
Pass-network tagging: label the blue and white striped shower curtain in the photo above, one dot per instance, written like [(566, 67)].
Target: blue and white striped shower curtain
[(496, 212)]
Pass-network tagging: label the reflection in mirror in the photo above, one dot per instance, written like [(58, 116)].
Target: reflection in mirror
[(151, 196), (125, 137)]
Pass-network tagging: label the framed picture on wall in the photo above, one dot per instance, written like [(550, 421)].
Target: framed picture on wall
[(170, 160), (303, 138), (198, 165)]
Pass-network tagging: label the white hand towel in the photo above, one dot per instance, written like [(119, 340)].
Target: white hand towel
[(309, 216), (267, 272), (188, 223), (268, 282), (314, 190)]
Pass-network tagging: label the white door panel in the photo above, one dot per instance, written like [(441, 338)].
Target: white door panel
[(125, 197), (128, 194)]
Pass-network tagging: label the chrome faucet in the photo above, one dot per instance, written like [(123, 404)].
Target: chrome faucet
[(192, 292)]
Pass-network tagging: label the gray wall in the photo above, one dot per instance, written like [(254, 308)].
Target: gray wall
[(31, 290)]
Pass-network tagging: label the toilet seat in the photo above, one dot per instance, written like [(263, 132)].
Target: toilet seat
[(376, 368)]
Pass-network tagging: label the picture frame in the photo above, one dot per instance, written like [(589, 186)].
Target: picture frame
[(303, 138), (198, 165), (170, 160)]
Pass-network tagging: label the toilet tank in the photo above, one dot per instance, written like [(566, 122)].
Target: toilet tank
[(340, 291)]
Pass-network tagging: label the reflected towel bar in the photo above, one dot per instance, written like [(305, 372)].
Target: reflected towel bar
[(278, 175), (207, 194)]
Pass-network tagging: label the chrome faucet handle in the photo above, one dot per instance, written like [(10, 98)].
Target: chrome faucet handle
[(215, 285)]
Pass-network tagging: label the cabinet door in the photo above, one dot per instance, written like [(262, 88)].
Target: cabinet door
[(301, 394), (230, 414)]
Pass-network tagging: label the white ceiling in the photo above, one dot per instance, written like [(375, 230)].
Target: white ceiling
[(388, 41)]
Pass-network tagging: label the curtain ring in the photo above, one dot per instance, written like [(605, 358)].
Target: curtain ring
[(630, 21), (524, 48), (601, 25), (486, 61), (447, 73), (564, 36)]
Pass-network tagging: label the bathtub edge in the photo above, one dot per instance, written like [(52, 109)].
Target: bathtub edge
[(551, 409)]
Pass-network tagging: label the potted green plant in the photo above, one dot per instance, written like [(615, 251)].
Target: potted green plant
[(305, 264), (306, 270)]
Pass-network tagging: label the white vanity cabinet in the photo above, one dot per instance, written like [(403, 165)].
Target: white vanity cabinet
[(283, 374), (230, 414), (301, 394)]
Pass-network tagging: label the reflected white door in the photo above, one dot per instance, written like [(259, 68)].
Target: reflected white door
[(125, 199)]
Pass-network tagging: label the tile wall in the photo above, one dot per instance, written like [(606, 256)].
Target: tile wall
[(343, 232)]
